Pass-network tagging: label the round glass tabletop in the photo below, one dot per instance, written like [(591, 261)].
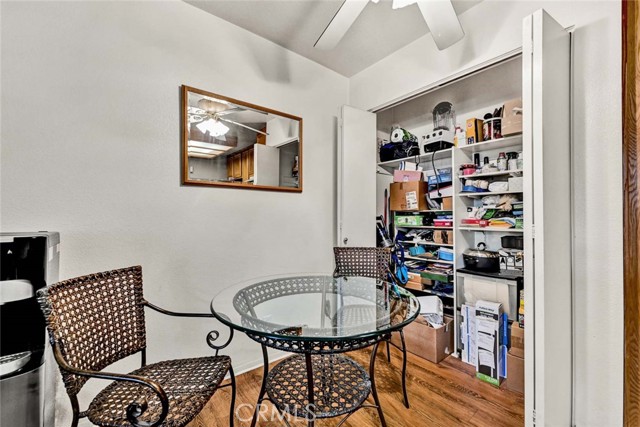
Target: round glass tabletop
[(318, 308)]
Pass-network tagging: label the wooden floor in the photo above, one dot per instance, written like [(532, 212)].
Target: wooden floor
[(445, 394)]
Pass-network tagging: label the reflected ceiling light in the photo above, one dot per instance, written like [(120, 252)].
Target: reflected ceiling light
[(204, 151), (399, 4), (214, 127), (209, 145)]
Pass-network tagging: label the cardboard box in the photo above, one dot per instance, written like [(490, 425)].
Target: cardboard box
[(414, 282), (512, 117), (517, 340), (515, 373), (424, 341), (521, 309), (491, 340), (447, 203), (474, 131), (443, 236), (416, 286), (408, 196), (407, 176)]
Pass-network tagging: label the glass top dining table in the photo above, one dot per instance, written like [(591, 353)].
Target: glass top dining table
[(316, 308), (316, 317)]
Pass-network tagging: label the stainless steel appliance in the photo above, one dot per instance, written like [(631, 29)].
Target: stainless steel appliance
[(29, 261)]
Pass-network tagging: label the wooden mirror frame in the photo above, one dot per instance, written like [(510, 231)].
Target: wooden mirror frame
[(185, 137)]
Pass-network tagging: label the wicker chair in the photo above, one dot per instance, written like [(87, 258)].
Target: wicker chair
[(375, 263), (96, 320)]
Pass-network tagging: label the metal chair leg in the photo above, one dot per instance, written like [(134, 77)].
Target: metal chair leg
[(374, 392), (263, 388), (75, 407), (233, 397), (311, 406), (388, 352), (404, 370)]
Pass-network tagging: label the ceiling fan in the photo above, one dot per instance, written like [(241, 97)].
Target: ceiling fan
[(439, 15), (209, 115)]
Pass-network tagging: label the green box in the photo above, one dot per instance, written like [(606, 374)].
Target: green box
[(436, 276), (409, 220)]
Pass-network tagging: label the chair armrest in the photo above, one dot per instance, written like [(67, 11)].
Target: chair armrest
[(134, 409), (211, 336), (175, 313)]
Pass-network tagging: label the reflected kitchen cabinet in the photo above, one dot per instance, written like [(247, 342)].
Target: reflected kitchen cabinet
[(245, 165), (261, 138), (237, 166)]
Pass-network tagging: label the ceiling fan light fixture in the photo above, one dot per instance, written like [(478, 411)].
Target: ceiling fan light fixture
[(214, 127)]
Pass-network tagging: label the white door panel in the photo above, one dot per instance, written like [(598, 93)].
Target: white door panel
[(356, 178), (547, 207)]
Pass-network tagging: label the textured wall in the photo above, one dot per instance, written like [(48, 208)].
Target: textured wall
[(91, 148)]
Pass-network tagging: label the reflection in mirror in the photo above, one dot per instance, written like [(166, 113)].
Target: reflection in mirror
[(231, 143)]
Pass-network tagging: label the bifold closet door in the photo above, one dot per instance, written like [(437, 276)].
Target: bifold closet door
[(547, 205), (356, 192)]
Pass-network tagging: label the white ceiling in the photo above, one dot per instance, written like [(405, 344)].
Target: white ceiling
[(297, 24)]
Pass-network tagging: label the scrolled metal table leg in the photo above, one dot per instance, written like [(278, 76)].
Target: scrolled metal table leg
[(263, 388), (232, 409), (311, 407), (404, 370), (374, 392)]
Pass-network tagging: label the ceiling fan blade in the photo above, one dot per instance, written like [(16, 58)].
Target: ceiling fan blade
[(340, 24), (240, 124), (442, 21), (231, 110)]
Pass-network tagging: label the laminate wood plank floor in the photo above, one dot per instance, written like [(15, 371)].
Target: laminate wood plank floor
[(441, 395)]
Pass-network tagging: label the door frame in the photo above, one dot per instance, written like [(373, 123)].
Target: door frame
[(631, 208)]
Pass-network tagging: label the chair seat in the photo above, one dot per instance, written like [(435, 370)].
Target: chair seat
[(188, 383)]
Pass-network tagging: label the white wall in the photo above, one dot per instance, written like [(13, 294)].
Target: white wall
[(91, 148), (494, 28)]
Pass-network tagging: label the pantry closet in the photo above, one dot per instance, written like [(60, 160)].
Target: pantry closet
[(539, 75)]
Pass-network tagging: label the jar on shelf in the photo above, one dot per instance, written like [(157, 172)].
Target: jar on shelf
[(502, 162)]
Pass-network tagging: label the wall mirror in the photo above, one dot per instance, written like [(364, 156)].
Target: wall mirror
[(231, 143)]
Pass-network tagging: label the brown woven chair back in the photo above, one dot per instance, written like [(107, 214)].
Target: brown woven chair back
[(95, 320), (362, 261)]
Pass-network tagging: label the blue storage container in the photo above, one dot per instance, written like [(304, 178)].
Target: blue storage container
[(445, 254)]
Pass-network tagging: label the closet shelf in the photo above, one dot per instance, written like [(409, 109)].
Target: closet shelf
[(494, 144), (496, 229), (434, 260), (488, 174), (393, 164), (427, 227), (425, 211), (488, 193), (425, 242)]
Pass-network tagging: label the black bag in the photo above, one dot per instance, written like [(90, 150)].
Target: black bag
[(403, 144), (399, 150)]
